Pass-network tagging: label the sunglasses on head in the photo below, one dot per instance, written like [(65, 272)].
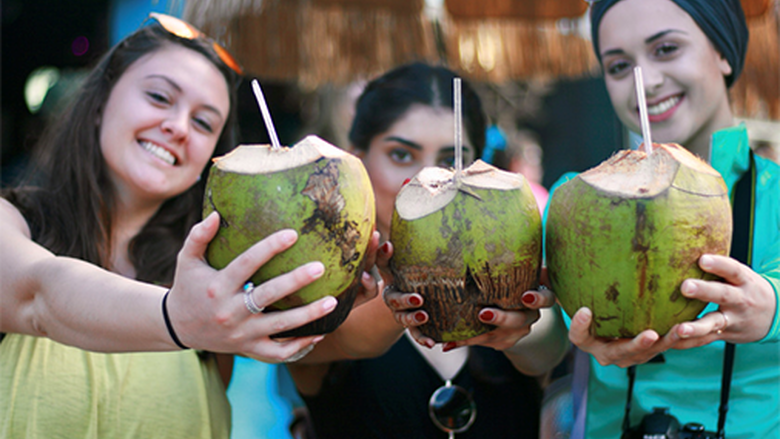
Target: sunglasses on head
[(452, 409), (184, 30)]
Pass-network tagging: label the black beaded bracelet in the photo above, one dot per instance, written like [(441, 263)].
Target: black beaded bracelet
[(168, 324)]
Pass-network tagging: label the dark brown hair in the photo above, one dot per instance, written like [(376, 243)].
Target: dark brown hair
[(67, 197), (387, 98)]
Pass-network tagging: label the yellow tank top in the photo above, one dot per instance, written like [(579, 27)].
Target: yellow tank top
[(49, 390)]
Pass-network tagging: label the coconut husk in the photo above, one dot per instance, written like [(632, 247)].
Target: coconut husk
[(314, 42)]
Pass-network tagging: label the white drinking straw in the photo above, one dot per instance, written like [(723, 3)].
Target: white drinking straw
[(643, 119), (269, 125), (456, 86)]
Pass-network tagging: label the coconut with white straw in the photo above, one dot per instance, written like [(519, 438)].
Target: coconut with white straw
[(465, 239), (622, 236), (319, 190)]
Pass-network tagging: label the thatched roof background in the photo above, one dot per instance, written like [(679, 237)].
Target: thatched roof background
[(316, 42)]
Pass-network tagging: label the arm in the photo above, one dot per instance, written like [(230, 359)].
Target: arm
[(80, 304)]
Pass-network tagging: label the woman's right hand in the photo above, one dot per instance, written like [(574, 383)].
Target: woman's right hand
[(207, 309)]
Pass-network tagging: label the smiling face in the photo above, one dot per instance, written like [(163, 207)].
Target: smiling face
[(683, 73), (161, 123), (423, 136)]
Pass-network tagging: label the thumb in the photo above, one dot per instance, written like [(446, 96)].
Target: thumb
[(200, 236)]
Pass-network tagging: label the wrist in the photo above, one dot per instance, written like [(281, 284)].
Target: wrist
[(168, 324)]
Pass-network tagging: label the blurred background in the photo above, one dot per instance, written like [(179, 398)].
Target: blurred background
[(530, 60)]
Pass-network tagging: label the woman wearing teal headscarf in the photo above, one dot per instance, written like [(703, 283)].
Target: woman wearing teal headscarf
[(691, 52)]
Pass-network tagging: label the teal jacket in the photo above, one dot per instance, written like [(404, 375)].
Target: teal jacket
[(689, 380)]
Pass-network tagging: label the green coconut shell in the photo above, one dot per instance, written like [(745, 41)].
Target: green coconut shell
[(465, 247), (622, 237), (315, 188)]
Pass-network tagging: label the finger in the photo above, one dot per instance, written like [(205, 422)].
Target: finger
[(411, 319), (372, 249), (543, 298), (200, 236), (398, 301), (510, 319), (264, 325), (247, 263), (281, 286), (579, 330), (709, 291), (731, 270), (372, 283), (421, 339), (383, 256), (274, 351), (710, 323)]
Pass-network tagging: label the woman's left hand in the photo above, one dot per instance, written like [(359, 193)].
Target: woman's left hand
[(747, 304), (747, 309)]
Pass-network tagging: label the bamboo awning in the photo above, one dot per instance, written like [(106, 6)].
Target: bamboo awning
[(315, 42)]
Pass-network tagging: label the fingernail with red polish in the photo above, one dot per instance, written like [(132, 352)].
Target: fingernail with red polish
[(487, 315), (406, 182), (450, 345), (415, 301), (384, 248), (529, 299), (419, 317)]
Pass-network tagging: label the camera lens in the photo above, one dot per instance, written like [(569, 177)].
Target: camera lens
[(693, 427)]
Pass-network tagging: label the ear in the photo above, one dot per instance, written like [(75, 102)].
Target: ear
[(724, 66)]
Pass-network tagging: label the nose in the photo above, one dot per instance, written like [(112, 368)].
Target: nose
[(176, 125), (653, 78)]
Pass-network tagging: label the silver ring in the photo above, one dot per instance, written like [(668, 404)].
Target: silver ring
[(300, 354), (249, 300)]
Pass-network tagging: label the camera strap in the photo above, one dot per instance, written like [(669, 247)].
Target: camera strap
[(743, 199)]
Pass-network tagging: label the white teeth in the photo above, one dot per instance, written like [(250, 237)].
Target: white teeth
[(158, 152), (663, 106)]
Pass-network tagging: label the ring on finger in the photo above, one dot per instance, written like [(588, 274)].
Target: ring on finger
[(249, 299), (725, 323)]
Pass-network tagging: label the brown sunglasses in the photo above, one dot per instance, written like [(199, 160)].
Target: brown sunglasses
[(182, 29)]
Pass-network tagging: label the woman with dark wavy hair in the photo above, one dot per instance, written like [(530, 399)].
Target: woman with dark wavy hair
[(93, 290)]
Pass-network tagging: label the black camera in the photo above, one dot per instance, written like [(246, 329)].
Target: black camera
[(661, 425)]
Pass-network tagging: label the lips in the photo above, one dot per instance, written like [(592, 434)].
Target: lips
[(159, 152), (662, 110)]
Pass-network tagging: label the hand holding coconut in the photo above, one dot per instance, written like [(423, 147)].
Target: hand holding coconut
[(205, 319), (746, 309)]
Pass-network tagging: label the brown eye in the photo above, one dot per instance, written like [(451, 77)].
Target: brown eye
[(400, 155)]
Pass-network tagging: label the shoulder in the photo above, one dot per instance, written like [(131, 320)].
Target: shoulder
[(12, 219)]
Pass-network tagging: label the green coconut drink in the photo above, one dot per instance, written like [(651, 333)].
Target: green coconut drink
[(319, 190), (623, 236), (465, 245)]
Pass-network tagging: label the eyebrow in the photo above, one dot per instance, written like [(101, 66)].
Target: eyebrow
[(406, 142), (648, 40), (179, 89), (417, 147)]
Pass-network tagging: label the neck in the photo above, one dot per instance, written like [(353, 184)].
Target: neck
[(701, 142), (129, 219)]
